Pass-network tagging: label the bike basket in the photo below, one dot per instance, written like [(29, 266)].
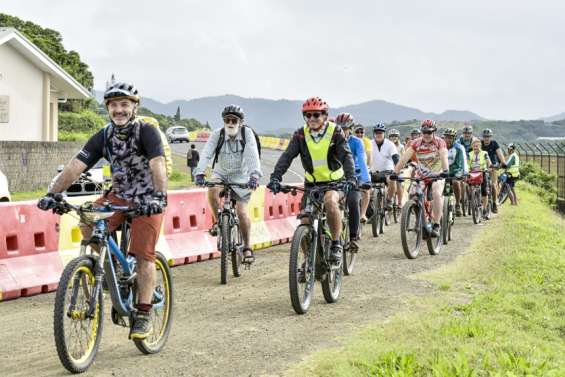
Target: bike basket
[(475, 178)]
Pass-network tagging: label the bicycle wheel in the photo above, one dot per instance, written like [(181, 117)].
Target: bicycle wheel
[(77, 335), (224, 248), (331, 285), (445, 221), (376, 219), (477, 206), (349, 257), (235, 251), (451, 219), (411, 229), (162, 312), (382, 214), (435, 243), (395, 213), (470, 200), (301, 271), (503, 194)]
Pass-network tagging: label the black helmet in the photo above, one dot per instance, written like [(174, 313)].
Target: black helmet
[(468, 129), (487, 132), (416, 131), (233, 110), (379, 127), (121, 90)]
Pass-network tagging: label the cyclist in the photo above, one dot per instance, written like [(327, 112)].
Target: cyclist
[(357, 201), (234, 154), (416, 133), (467, 138), (384, 157), (479, 161), (430, 152), (326, 157), (457, 164), (394, 136), (513, 171), (135, 151), (496, 158), (360, 133)]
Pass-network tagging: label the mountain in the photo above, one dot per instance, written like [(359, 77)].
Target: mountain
[(554, 118), (279, 116)]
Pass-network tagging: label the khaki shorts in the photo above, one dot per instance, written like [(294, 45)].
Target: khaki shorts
[(145, 230)]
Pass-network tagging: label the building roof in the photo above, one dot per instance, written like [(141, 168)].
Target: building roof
[(65, 85)]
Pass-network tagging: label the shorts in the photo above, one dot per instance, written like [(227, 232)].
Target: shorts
[(484, 191), (511, 181), (238, 194), (145, 230), (304, 196)]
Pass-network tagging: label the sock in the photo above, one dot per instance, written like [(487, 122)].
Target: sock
[(144, 307), (334, 243)]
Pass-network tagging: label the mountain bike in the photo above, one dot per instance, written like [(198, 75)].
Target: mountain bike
[(380, 215), (448, 218), (310, 248), (504, 188), (229, 240), (416, 217), (101, 264), (476, 203)]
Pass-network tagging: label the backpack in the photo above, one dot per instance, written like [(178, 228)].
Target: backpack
[(242, 141), (166, 147)]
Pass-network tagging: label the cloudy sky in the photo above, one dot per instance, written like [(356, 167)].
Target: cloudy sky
[(503, 59)]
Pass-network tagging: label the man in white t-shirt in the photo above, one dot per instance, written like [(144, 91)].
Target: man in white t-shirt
[(384, 156)]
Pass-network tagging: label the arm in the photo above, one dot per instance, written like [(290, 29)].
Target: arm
[(286, 158), (406, 156), (158, 173), (344, 154), (207, 153), (500, 156), (251, 154), (444, 159), (70, 173)]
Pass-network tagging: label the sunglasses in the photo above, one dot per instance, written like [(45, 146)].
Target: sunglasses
[(359, 132), (310, 115), (231, 120), (427, 132)]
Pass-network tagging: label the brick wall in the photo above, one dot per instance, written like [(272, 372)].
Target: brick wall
[(31, 165)]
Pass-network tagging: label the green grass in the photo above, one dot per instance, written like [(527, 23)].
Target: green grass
[(28, 195), (499, 310)]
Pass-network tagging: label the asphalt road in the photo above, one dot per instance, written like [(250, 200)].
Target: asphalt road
[(269, 158)]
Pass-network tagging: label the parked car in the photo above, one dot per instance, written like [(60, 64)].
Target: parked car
[(90, 182), (4, 192), (177, 133)]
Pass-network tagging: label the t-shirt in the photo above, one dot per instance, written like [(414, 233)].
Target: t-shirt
[(428, 154), (381, 156), (466, 144), (457, 158), (491, 150), (359, 157)]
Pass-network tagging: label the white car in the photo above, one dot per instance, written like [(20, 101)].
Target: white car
[(177, 133), (4, 192), (90, 182)]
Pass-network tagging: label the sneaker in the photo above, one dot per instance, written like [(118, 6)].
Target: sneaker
[(363, 220), (458, 211), (435, 230), (354, 245), (494, 209), (142, 326), (335, 253)]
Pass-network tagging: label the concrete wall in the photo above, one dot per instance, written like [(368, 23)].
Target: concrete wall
[(31, 165), (23, 83)]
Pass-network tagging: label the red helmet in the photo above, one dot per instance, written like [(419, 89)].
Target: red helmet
[(428, 125), (345, 120), (315, 104)]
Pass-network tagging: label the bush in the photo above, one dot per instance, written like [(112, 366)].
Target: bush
[(545, 184), (86, 121)]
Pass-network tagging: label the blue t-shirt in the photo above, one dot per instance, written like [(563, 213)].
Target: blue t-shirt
[(358, 152)]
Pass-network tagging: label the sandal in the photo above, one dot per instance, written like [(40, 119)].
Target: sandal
[(248, 259)]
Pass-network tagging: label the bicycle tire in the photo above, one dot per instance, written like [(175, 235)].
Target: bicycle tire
[(150, 346), (331, 285), (434, 243), (85, 264), (224, 248), (375, 220), (411, 210), (395, 212), (303, 233), (382, 213), (349, 258), (235, 251), (445, 220), (503, 194)]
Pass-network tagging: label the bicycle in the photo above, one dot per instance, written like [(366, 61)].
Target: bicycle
[(380, 215), (504, 188), (79, 302), (448, 218), (229, 240), (416, 217), (310, 248), (476, 203)]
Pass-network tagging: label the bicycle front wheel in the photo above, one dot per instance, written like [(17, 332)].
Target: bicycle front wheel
[(445, 221), (301, 271), (235, 251), (77, 328), (411, 229), (503, 194), (376, 219), (224, 248), (162, 311)]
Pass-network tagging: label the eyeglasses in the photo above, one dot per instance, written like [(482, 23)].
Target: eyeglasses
[(310, 115), (359, 131), (231, 120), (427, 132)]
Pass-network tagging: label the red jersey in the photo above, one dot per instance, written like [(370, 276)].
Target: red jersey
[(427, 154)]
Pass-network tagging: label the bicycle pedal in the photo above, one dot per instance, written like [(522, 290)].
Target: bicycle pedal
[(247, 266)]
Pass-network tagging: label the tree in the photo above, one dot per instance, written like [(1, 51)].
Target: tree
[(177, 115)]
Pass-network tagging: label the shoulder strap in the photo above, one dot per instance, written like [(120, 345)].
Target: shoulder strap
[(106, 151), (243, 138), (219, 146)]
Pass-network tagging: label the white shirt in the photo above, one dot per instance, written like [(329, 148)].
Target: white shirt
[(382, 159)]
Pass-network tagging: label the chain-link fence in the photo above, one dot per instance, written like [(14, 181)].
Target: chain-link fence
[(551, 158)]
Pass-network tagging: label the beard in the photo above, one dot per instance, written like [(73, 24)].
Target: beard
[(231, 132)]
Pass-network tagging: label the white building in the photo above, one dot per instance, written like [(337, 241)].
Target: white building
[(31, 85)]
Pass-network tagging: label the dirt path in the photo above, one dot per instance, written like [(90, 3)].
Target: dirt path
[(247, 328)]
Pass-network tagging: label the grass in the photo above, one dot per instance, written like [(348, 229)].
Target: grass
[(498, 311), (28, 195)]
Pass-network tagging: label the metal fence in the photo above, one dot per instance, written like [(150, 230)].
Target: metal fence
[(551, 158)]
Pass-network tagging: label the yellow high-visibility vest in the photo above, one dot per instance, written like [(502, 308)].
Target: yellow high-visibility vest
[(319, 153)]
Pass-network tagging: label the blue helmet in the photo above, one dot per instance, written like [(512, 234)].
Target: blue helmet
[(379, 127)]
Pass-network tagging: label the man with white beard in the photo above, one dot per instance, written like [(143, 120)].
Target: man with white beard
[(234, 155)]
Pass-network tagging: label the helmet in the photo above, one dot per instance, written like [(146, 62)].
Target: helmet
[(345, 120), (428, 125), (233, 110), (393, 132), (468, 129), (511, 146), (487, 132), (449, 132), (315, 104), (379, 127), (121, 90), (416, 131)]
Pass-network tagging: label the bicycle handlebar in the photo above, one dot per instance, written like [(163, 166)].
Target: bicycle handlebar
[(224, 184)]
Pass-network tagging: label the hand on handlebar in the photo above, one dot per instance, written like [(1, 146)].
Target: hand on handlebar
[(274, 185), (200, 180)]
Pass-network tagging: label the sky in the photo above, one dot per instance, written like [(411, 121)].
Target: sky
[(499, 58)]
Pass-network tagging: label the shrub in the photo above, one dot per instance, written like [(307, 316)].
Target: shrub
[(86, 121), (545, 184)]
